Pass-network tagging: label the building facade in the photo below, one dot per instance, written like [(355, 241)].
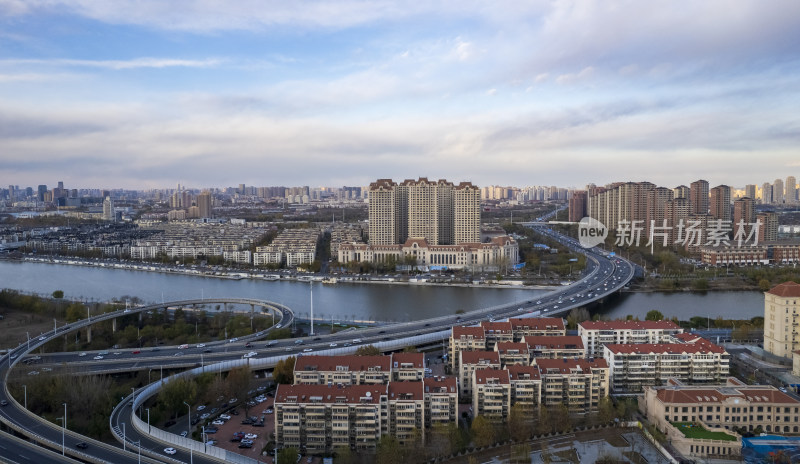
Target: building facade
[(781, 319), (596, 334)]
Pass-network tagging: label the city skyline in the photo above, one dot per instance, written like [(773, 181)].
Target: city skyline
[(144, 94)]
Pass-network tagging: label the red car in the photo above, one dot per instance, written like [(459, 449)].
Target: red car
[(136, 352)]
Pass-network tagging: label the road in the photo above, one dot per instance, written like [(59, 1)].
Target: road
[(603, 276)]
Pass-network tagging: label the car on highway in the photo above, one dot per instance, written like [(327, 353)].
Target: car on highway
[(272, 342), (333, 345), (81, 355), (201, 345), (307, 350), (82, 445), (170, 451), (97, 358), (135, 352), (3, 403), (184, 433)]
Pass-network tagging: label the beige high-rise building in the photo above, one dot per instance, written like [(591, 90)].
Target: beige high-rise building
[(768, 231), (744, 211), (681, 191), (720, 203), (657, 200), (791, 189), (205, 204), (677, 212), (438, 211), (750, 191), (108, 209), (777, 191), (781, 305), (698, 196), (766, 193)]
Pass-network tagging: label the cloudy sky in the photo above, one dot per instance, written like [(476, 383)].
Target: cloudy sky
[(148, 93)]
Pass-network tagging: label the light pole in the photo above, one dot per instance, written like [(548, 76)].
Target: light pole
[(29, 339), (133, 394), (124, 440), (140, 450), (188, 417), (25, 388), (148, 419)]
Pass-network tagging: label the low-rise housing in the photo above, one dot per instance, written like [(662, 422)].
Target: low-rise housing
[(469, 362), (342, 370), (566, 346), (491, 394), (532, 326), (513, 353), (577, 383)]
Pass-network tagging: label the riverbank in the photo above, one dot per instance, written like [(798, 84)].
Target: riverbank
[(219, 272)]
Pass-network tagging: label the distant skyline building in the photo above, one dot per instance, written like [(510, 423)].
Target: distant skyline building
[(791, 189), (681, 191), (744, 211), (438, 211), (766, 193), (698, 196), (720, 202), (108, 209), (750, 191), (577, 205), (777, 191), (205, 204), (768, 231)]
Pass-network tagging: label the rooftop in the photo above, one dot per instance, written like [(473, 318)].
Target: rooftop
[(786, 289)]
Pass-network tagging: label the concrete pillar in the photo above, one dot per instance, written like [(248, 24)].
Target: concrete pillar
[(89, 334), (113, 325)]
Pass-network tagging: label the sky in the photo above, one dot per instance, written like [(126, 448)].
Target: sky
[(149, 93)]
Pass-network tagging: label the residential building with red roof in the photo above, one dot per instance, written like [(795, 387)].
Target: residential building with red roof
[(441, 400), (491, 396), (781, 319), (465, 338), (499, 331), (526, 385), (408, 366), (595, 334), (469, 362), (406, 411), (344, 370), (634, 367), (577, 383), (523, 327), (513, 353), (566, 346)]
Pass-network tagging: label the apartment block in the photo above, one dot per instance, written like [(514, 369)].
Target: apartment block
[(320, 418), (768, 231), (471, 361), (595, 334), (408, 366), (465, 339), (781, 319), (342, 370), (406, 411), (497, 332), (526, 385), (441, 400), (533, 326), (698, 196), (513, 353), (491, 394), (635, 366), (577, 383), (720, 203), (565, 346), (438, 211)]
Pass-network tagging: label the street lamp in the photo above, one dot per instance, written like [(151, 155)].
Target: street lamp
[(63, 430), (25, 388), (148, 419), (188, 417)]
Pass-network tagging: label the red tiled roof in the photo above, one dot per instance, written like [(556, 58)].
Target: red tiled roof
[(537, 323), (475, 332), (475, 357), (665, 348), (414, 389), (549, 342), (496, 327), (565, 365), (436, 384), (786, 289), (689, 394), (504, 347), (353, 363), (483, 376), (517, 371), (329, 394), (628, 325), (417, 359)]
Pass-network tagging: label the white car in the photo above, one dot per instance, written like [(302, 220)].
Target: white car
[(251, 436), (170, 450), (224, 417), (97, 358), (308, 350), (82, 354), (201, 407), (218, 422), (332, 345), (201, 345)]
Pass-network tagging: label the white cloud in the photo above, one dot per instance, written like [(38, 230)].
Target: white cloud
[(572, 78), (491, 92), (116, 64)]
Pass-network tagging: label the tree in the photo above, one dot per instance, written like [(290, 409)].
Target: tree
[(74, 312), (287, 456), (701, 284), (543, 426), (389, 450), (284, 370), (576, 316), (58, 294), (368, 350), (605, 410), (561, 419), (519, 425), (483, 433), (239, 380), (344, 455), (654, 315), (764, 285), (176, 392)]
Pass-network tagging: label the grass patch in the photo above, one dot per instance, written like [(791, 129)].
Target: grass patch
[(693, 430)]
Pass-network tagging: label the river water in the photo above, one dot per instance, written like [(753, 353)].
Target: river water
[(380, 302)]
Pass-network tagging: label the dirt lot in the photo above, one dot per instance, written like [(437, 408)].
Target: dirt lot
[(15, 323)]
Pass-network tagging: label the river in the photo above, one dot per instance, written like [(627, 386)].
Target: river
[(380, 302)]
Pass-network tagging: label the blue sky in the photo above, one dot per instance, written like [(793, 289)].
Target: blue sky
[(148, 93)]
